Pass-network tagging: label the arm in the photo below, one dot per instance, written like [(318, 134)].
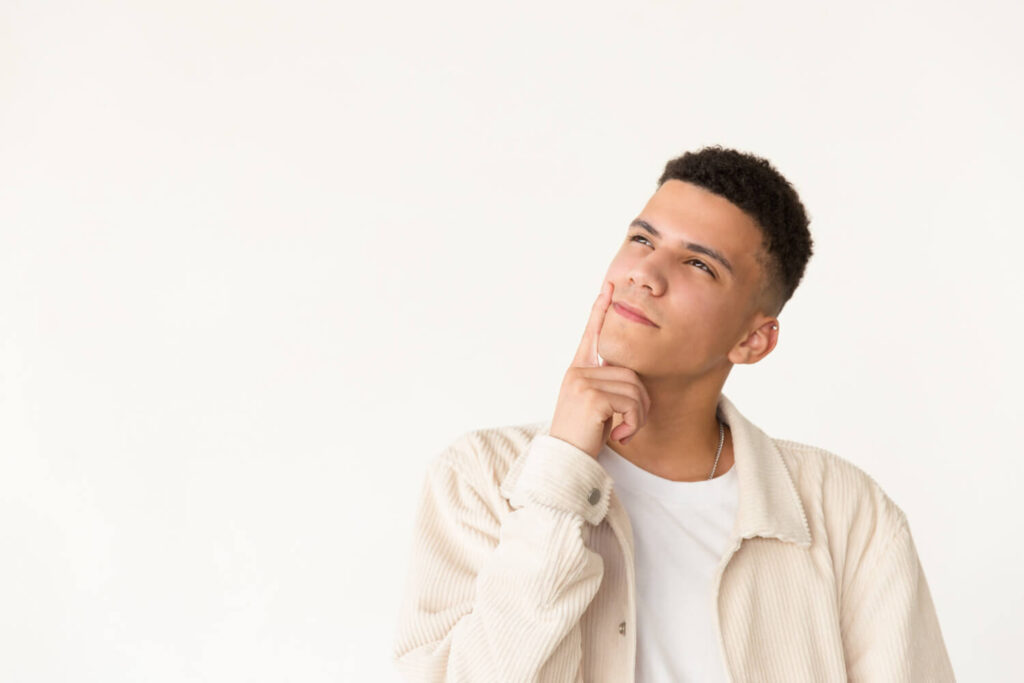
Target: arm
[(889, 624), (490, 599)]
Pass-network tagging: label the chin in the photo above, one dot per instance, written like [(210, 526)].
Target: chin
[(631, 360)]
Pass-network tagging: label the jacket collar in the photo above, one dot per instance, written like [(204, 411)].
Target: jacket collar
[(768, 505)]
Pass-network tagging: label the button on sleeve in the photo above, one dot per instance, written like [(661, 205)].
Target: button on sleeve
[(560, 475)]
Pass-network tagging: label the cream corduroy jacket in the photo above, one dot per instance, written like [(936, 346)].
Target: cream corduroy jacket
[(522, 569)]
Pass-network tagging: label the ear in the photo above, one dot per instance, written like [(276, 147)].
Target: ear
[(758, 343)]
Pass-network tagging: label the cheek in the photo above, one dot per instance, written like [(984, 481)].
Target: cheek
[(617, 269), (696, 314)]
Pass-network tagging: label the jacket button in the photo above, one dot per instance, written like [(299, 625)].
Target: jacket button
[(622, 628), (595, 496)]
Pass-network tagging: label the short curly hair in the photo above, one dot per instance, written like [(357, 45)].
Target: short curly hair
[(752, 184)]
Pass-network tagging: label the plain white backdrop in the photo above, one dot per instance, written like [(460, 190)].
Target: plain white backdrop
[(261, 261)]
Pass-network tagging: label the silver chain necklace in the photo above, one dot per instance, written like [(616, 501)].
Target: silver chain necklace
[(721, 440)]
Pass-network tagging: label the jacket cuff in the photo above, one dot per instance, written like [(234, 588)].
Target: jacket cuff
[(560, 475)]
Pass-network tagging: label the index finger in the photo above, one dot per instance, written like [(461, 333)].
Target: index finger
[(586, 354)]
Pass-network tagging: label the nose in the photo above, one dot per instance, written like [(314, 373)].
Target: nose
[(646, 272)]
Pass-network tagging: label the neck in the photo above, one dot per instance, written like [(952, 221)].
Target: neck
[(681, 435)]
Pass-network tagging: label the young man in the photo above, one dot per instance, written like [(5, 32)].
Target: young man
[(649, 531)]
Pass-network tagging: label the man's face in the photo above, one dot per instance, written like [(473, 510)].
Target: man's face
[(701, 307)]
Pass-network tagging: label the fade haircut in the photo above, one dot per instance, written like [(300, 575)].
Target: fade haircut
[(752, 184)]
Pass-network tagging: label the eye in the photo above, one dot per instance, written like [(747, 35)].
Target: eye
[(703, 265)]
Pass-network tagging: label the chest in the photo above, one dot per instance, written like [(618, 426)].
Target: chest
[(777, 613), (771, 612)]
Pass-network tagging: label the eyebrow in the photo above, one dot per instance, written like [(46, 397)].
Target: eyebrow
[(692, 246)]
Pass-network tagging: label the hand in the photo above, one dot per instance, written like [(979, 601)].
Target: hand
[(592, 392)]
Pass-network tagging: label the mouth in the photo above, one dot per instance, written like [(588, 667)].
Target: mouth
[(632, 314)]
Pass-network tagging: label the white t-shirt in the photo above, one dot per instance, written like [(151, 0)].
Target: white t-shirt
[(681, 531)]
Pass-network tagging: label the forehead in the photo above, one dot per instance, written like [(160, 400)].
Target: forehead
[(684, 211)]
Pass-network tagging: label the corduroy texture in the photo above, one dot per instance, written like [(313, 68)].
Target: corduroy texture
[(522, 569)]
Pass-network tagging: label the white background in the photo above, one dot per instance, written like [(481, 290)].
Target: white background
[(260, 262)]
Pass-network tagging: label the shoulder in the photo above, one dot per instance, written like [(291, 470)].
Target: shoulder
[(839, 493), (484, 455)]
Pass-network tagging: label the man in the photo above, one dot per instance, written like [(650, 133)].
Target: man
[(649, 531)]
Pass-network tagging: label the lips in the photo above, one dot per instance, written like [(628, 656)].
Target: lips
[(633, 313)]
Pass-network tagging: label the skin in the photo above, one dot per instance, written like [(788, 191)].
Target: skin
[(705, 326)]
